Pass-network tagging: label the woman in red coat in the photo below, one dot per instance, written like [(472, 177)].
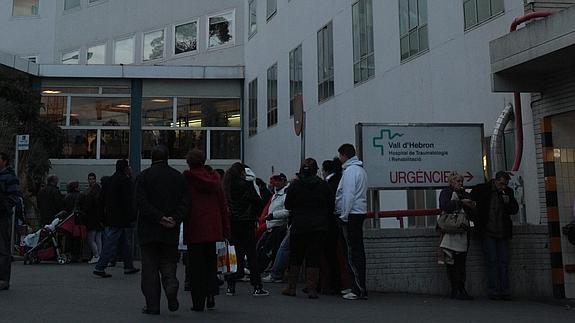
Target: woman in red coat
[(206, 224)]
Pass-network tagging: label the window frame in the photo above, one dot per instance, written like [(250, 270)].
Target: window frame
[(133, 37), (321, 75), (173, 43), (272, 95), (413, 30), (255, 23), (28, 16), (143, 60), (363, 59), (105, 44), (297, 74), (253, 107), (478, 22), (70, 52), (228, 44), (270, 15), (78, 7)]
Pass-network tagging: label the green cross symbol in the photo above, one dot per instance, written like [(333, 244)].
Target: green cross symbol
[(390, 136)]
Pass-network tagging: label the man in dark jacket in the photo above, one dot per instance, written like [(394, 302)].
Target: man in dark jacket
[(162, 200), (495, 205), (117, 199), (9, 198), (50, 200)]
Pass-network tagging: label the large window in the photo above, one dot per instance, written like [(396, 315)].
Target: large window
[(99, 111), (325, 88), (478, 11), (124, 51), (208, 112), (413, 27), (221, 29), (153, 45), (96, 54), (272, 8), (114, 144), (253, 107), (54, 109), (225, 144), (80, 144), (25, 8), (179, 142), (363, 54), (295, 76), (186, 37), (157, 112), (253, 15), (70, 4), (273, 95), (72, 57)]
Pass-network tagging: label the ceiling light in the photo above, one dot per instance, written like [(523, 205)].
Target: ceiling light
[(123, 106), (160, 100), (51, 92)]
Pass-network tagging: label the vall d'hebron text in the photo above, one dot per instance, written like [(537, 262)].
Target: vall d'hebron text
[(412, 155)]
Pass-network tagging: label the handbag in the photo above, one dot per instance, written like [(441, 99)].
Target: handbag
[(456, 222), (227, 259)]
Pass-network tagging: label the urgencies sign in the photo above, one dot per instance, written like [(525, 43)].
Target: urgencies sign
[(398, 156)]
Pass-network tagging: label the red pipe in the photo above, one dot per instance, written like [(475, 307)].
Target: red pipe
[(517, 95)]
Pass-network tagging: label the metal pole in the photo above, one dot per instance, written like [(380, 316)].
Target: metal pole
[(13, 226), (303, 137), (16, 157)]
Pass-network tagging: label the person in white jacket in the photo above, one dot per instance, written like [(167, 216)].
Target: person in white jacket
[(351, 207)]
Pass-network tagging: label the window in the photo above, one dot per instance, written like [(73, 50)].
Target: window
[(157, 112), (221, 29), (253, 107), (99, 111), (295, 77), (272, 8), (325, 88), (253, 26), (178, 142), (273, 95), (363, 55), (153, 45), (25, 8), (478, 11), (79, 144), (31, 59), (225, 144), (115, 144), (186, 38), (412, 27), (208, 112), (70, 4), (54, 109), (96, 54), (124, 51), (72, 57)]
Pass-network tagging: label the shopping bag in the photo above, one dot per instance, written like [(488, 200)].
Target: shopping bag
[(227, 259)]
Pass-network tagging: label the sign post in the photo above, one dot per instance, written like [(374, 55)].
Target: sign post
[(22, 143)]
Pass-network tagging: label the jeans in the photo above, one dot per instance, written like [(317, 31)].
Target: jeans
[(5, 252), (353, 234), (282, 258), (268, 246), (497, 256), (116, 238), (94, 239)]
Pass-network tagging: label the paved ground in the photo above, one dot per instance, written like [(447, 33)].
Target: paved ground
[(69, 293)]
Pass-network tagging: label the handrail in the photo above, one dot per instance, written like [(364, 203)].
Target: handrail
[(404, 213)]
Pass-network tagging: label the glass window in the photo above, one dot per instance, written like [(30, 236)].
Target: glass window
[(412, 27), (116, 90), (115, 144), (478, 11), (295, 76), (253, 25), (124, 51), (153, 45), (272, 8), (70, 4), (99, 111), (225, 144), (179, 142), (72, 57), (253, 107), (206, 112), (186, 37), (325, 74), (54, 109), (79, 144), (70, 90), (96, 54), (157, 112), (362, 25), (221, 29), (25, 8), (273, 95)]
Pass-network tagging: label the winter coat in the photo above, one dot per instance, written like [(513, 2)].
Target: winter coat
[(351, 195), (207, 219), (91, 210), (310, 203), (244, 203), (278, 210), (117, 200), (72, 202), (50, 203), (482, 195), (9, 192), (161, 191)]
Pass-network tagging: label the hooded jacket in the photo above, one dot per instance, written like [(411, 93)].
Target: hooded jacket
[(278, 210), (351, 194), (244, 203), (10, 192), (207, 220), (310, 203)]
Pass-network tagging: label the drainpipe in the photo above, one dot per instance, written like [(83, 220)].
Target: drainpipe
[(517, 95), (496, 149)]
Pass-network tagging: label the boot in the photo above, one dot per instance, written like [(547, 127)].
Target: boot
[(462, 294), (292, 281), (312, 279)]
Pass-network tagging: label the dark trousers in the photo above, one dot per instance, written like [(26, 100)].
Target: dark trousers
[(353, 234), (244, 239), (116, 240), (268, 246), (159, 259), (5, 252), (202, 264), (457, 272), (497, 256), (308, 247), (329, 268)]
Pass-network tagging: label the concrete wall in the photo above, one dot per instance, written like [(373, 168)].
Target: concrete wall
[(405, 261)]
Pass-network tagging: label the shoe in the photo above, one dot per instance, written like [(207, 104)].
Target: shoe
[(210, 302), (231, 290), (101, 274), (350, 296), (312, 280), (258, 291), (145, 310), (173, 304), (269, 279), (346, 291), (94, 260), (131, 271), (293, 276)]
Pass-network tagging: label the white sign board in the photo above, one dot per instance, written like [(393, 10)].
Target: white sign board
[(23, 142), (399, 156)]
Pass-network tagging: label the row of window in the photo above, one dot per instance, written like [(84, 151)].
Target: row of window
[(413, 41), (30, 8)]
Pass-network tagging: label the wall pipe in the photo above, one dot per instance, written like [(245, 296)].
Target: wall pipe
[(496, 144), (517, 95)]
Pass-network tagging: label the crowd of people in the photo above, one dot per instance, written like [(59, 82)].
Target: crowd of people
[(310, 226)]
